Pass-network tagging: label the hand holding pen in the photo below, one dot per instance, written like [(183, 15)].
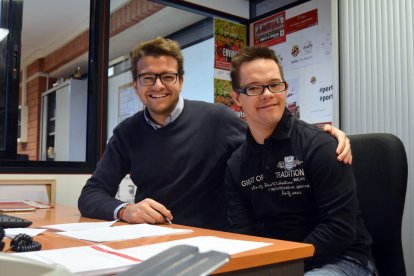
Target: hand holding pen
[(146, 211)]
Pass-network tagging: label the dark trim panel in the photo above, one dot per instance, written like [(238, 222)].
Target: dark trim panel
[(255, 17), (11, 19), (98, 79)]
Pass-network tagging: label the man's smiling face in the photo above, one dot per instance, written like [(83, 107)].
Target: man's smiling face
[(160, 99), (263, 112)]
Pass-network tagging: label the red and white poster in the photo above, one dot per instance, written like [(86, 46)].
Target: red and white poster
[(304, 51), (270, 30)]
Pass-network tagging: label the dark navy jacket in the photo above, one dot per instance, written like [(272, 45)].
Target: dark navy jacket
[(293, 188)]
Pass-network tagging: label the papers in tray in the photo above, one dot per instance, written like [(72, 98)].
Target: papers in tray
[(21, 205), (103, 260), (124, 232)]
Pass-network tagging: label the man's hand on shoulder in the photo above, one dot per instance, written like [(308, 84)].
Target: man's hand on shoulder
[(344, 145), (145, 211)]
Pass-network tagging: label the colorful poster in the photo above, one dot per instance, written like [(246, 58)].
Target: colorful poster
[(222, 90), (229, 38), (305, 56)]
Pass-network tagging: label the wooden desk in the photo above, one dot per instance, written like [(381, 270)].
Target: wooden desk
[(281, 258)]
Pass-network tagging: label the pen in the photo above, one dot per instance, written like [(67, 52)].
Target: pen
[(167, 220)]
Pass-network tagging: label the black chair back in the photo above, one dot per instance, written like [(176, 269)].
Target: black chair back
[(381, 171)]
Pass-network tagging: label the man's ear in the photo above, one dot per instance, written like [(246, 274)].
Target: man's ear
[(235, 97), (135, 86), (181, 80)]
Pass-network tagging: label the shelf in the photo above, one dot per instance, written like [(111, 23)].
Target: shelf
[(64, 113)]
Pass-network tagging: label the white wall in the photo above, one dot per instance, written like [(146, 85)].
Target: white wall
[(199, 71)]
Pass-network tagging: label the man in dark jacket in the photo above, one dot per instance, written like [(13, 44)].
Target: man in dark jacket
[(285, 182)]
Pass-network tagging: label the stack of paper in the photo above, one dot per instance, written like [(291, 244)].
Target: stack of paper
[(125, 232), (21, 205)]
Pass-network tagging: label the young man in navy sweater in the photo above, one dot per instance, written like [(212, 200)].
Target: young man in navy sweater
[(285, 181), (175, 150)]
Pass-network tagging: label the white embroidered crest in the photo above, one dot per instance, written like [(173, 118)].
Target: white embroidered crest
[(288, 163)]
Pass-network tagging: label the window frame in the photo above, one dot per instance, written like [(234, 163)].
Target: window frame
[(97, 91)]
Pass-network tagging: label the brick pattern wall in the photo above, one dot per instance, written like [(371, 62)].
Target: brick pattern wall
[(128, 15), (132, 13)]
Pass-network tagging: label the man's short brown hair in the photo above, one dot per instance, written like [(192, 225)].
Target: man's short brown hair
[(157, 47), (249, 54)]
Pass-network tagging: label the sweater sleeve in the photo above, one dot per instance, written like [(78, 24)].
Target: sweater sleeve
[(97, 198), (335, 198), (232, 127)]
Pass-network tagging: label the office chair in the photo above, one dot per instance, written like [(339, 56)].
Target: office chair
[(380, 169)]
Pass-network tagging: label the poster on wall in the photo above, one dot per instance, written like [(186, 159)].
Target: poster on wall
[(270, 30), (129, 103), (229, 38), (304, 51)]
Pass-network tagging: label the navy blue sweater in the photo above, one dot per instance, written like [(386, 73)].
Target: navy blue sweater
[(181, 165)]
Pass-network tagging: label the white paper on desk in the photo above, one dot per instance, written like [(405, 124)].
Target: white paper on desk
[(80, 225), (83, 260), (12, 232), (124, 232), (203, 243)]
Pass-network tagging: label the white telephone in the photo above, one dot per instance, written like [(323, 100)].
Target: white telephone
[(16, 265)]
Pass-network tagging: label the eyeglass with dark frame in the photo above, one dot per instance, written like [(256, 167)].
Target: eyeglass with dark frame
[(255, 90), (149, 79)]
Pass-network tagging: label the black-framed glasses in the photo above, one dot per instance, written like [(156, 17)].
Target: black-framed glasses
[(149, 79), (255, 90)]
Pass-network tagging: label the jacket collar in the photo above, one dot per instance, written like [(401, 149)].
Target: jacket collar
[(282, 131)]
